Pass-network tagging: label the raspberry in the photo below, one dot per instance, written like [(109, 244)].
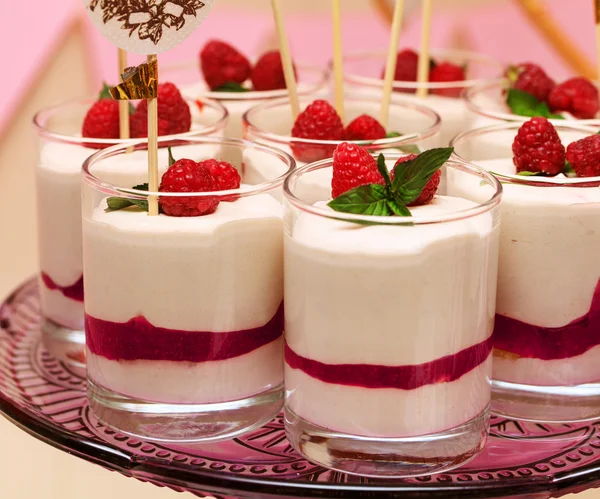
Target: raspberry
[(537, 148), (365, 128), (407, 64), (584, 156), (319, 121), (174, 114), (533, 80), (353, 166), (268, 72), (102, 120), (447, 72), (186, 175), (429, 190), (225, 176), (577, 96), (221, 63)]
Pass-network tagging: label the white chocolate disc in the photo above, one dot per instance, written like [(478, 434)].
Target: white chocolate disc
[(147, 26)]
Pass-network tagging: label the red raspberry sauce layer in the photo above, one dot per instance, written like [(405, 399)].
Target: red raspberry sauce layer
[(74, 291), (409, 377), (137, 339), (536, 342)]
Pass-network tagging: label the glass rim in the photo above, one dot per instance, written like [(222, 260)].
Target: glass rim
[(533, 181), (470, 94), (413, 85), (141, 144), (258, 95), (40, 118), (393, 220), (409, 138)]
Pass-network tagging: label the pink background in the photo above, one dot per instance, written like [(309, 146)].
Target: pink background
[(499, 30)]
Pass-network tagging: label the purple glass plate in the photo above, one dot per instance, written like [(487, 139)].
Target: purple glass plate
[(40, 395)]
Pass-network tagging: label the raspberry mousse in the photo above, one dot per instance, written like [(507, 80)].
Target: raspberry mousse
[(318, 129), (69, 134), (389, 307), (452, 71), (184, 311), (547, 328)]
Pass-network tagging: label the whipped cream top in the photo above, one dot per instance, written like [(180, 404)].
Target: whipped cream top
[(338, 236)]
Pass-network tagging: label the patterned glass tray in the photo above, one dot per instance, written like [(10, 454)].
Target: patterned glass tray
[(44, 398)]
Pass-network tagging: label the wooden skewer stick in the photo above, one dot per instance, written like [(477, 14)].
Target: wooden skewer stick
[(424, 61), (338, 61), (556, 36), (286, 59), (152, 147), (390, 68), (123, 104)]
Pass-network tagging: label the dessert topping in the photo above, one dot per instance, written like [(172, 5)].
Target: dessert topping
[(222, 64), (357, 189), (531, 78), (447, 72), (365, 127), (267, 73), (174, 114), (577, 96), (102, 119), (537, 148), (430, 188), (584, 156)]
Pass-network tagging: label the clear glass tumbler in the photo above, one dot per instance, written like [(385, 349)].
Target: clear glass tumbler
[(415, 127), (547, 331), (58, 182), (388, 324), (184, 315), (364, 73)]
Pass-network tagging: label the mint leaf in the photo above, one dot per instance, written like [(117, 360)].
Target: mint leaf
[(231, 86), (568, 170), (105, 92), (529, 174), (119, 203), (393, 135), (398, 207), (171, 158), (525, 104), (411, 177), (382, 167), (364, 200)]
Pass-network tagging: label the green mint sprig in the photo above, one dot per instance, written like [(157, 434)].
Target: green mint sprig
[(410, 178), (118, 203), (525, 104), (231, 86), (567, 171)]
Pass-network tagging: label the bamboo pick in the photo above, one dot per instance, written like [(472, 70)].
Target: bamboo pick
[(286, 59), (424, 60), (123, 104), (152, 147), (338, 61), (390, 68)]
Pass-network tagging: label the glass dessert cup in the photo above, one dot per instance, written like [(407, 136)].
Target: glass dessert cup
[(271, 123), (388, 329), (488, 100), (184, 315), (547, 331), (58, 188), (311, 80), (363, 73)]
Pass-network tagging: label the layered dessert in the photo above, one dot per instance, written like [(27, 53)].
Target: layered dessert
[(69, 135), (318, 129), (229, 77), (527, 90), (185, 309), (547, 329), (451, 72), (389, 322)]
